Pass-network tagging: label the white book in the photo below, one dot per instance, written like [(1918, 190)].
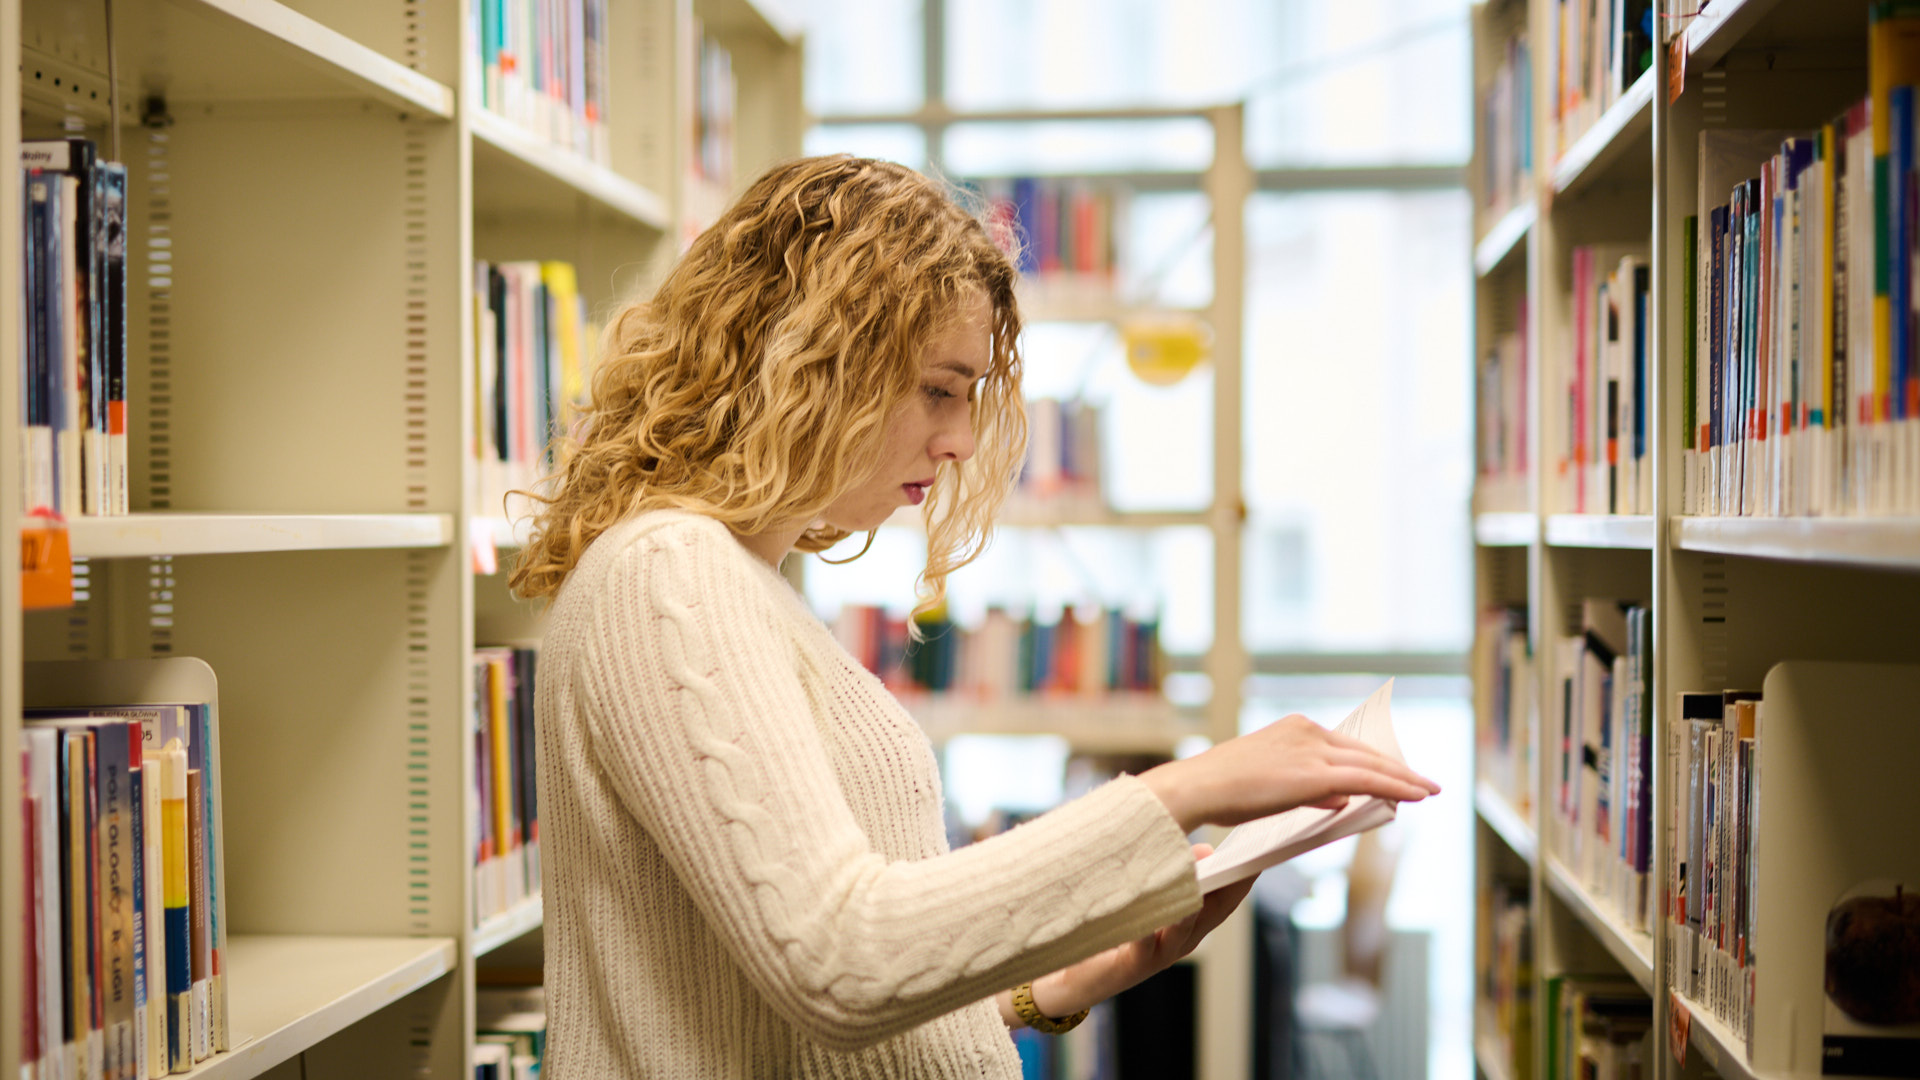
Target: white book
[(1272, 840)]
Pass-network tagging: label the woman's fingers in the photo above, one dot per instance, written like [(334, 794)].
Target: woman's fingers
[(1370, 759), (1363, 781)]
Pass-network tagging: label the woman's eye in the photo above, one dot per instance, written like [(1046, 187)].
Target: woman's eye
[(936, 393)]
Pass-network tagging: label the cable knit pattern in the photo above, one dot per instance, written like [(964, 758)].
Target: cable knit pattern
[(746, 870)]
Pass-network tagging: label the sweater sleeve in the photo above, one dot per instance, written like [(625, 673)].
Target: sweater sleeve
[(703, 728)]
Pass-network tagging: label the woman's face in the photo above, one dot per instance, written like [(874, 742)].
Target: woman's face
[(933, 425)]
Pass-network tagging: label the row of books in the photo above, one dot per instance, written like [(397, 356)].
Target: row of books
[(506, 855), (1802, 390), (1061, 228), (532, 344), (1603, 48), (1606, 462), (1712, 756), (714, 96), (510, 1032), (73, 330), (544, 66), (1505, 971), (1599, 1027), (1063, 449), (1502, 672), (1506, 126), (124, 947), (1600, 820), (1082, 654), (1500, 415)]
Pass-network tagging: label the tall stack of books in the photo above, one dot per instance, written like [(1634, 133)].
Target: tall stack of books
[(1065, 231), (1802, 390), (1598, 1028), (506, 856), (1506, 122), (533, 341), (1713, 780), (1502, 671), (1500, 420), (1092, 655), (124, 952), (1602, 50), (1063, 450), (1506, 973), (1602, 466), (544, 66), (1600, 820), (73, 330)]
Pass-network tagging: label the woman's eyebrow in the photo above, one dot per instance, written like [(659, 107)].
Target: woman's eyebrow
[(961, 370)]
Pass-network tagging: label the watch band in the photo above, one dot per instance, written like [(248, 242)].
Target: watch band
[(1030, 1014)]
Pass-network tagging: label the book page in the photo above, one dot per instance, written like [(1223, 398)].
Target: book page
[(1270, 841)]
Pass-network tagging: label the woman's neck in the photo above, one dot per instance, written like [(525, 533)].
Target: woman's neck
[(772, 545)]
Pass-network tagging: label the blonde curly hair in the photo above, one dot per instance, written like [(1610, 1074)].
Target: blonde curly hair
[(756, 385)]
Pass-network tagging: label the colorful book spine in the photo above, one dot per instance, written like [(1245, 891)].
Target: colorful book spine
[(1506, 130), (1066, 233), (1088, 655), (1603, 464), (1502, 668), (506, 857), (532, 372), (543, 65), (178, 897)]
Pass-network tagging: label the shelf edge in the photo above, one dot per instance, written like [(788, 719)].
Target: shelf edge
[(1505, 821), (1504, 238), (1597, 142), (393, 82), (1617, 938)]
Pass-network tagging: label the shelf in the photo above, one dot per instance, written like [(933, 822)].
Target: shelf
[(1124, 723), (1631, 950), (771, 19), (1505, 239), (140, 535), (1715, 31), (211, 52), (518, 174), (1067, 511), (288, 993), (1717, 1044), (1727, 25), (1505, 529), (1625, 123), (517, 921), (1506, 821), (1087, 300), (1633, 532), (1892, 543)]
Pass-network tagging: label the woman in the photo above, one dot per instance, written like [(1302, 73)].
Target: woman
[(745, 867)]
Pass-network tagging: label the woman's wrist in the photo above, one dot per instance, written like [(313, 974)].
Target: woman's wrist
[(1171, 784)]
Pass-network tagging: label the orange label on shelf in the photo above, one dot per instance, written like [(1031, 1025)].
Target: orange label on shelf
[(46, 567), (1679, 1028), (1676, 67)]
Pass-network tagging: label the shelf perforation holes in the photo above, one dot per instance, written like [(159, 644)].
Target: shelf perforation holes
[(153, 191), (1715, 592)]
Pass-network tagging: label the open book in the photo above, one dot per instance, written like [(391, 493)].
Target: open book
[(1270, 841)]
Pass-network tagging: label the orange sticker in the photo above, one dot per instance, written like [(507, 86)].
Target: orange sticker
[(1679, 1029), (46, 565), (1676, 67)]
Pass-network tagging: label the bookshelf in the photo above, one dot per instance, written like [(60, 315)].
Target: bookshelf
[(1802, 608), (307, 199)]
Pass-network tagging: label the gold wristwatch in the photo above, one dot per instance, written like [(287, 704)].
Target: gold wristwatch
[(1030, 1014)]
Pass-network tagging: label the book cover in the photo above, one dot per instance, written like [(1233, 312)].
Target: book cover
[(200, 961)]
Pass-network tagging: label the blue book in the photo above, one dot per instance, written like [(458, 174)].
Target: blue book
[(1716, 301), (1026, 206)]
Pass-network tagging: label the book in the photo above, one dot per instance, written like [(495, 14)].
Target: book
[(532, 354), (1091, 654), (506, 856), (1269, 841), (544, 66)]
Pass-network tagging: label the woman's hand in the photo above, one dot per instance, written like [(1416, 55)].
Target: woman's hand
[(1099, 977), (1292, 762)]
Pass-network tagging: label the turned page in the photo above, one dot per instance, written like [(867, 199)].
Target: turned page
[(1270, 841)]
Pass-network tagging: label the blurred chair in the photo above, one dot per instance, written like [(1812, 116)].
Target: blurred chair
[(1335, 1017)]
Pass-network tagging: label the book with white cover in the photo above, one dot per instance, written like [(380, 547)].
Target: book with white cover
[(1268, 842)]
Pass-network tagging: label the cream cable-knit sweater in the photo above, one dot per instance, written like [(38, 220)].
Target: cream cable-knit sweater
[(745, 868)]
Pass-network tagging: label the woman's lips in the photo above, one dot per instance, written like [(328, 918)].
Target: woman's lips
[(916, 493)]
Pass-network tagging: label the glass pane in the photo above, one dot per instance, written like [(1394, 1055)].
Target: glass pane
[(903, 143), (1036, 54), (1357, 410), (1036, 148), (863, 58), (1011, 773), (1367, 81)]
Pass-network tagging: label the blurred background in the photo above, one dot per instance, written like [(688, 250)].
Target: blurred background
[(1352, 392)]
